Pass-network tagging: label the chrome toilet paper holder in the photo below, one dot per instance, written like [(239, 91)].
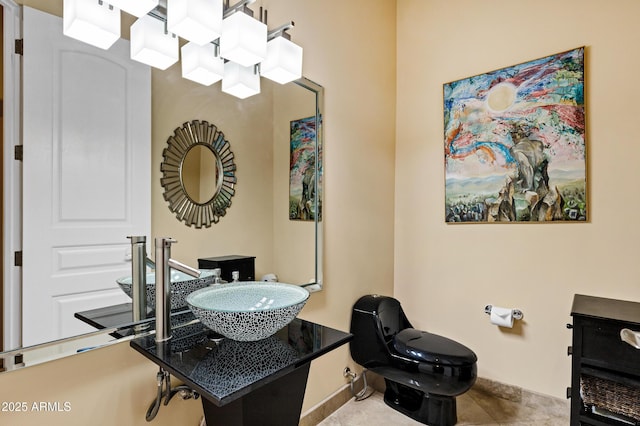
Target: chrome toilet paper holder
[(517, 313)]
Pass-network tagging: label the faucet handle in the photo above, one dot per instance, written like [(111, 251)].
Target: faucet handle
[(164, 242), (135, 239)]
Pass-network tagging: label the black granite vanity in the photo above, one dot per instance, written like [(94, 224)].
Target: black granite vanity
[(109, 316), (241, 383), (244, 383)]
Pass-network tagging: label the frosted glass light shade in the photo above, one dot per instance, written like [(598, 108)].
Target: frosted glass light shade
[(243, 39), (199, 21), (135, 7), (200, 64), (284, 61), (240, 81), (150, 45), (91, 22)]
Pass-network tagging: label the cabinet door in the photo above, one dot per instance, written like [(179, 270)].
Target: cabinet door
[(602, 346)]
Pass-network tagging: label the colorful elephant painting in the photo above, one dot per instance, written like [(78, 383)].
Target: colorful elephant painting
[(514, 143)]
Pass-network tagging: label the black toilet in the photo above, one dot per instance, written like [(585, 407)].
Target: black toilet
[(423, 372)]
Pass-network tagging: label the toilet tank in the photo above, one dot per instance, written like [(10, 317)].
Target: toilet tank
[(374, 321)]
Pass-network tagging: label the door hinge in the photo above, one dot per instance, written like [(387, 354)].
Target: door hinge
[(17, 258), (18, 152), (19, 46)]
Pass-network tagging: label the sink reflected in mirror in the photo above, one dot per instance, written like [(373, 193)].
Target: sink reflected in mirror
[(181, 285), (248, 311)]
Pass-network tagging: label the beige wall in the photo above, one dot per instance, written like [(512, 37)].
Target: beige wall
[(350, 50), (110, 386), (247, 227), (446, 274)]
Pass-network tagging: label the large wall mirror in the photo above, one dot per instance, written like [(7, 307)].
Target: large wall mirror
[(290, 248)]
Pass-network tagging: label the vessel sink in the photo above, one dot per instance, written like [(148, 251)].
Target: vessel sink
[(181, 285), (247, 311)]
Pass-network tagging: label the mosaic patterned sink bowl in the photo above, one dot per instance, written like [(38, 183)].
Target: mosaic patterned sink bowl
[(181, 285), (247, 311)]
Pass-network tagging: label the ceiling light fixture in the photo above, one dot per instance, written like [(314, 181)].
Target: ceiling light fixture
[(137, 8), (91, 21), (151, 44), (199, 21), (223, 42), (202, 64), (240, 81), (243, 39), (283, 63)]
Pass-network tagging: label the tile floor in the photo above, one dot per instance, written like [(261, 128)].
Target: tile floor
[(475, 407)]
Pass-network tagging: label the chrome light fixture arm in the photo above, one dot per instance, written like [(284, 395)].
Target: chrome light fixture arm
[(241, 5)]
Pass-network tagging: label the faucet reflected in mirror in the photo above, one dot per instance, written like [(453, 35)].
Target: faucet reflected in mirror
[(163, 285), (139, 263)]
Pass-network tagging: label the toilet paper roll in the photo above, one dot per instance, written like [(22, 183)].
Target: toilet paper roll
[(502, 317)]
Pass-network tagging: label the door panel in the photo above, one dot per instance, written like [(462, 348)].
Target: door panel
[(100, 145)]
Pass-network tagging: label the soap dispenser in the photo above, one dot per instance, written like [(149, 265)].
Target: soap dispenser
[(217, 273)]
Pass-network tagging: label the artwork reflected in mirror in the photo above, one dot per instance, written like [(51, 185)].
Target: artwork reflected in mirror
[(305, 167)]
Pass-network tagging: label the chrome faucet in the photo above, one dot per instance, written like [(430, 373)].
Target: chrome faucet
[(163, 285), (139, 263)]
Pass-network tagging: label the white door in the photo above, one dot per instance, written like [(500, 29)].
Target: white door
[(86, 175)]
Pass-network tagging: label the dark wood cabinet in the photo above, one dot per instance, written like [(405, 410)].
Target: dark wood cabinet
[(605, 371)]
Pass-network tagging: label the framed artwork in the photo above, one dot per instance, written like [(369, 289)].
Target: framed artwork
[(514, 143), (302, 171)]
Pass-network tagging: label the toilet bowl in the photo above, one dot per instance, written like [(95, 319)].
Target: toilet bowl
[(423, 372)]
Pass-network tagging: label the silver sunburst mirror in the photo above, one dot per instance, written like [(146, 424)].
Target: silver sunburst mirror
[(198, 173)]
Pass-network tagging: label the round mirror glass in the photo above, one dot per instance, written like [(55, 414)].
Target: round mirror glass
[(200, 174)]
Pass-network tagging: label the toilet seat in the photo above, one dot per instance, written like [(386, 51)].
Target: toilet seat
[(432, 348)]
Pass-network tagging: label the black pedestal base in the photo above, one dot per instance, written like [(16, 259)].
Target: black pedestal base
[(433, 410), (278, 403)]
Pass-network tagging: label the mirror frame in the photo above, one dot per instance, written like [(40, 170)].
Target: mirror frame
[(12, 359), (186, 208), (318, 90)]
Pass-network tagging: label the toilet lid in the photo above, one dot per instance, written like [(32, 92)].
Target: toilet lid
[(423, 346)]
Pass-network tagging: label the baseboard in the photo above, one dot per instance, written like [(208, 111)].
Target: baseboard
[(522, 396), (322, 410)]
